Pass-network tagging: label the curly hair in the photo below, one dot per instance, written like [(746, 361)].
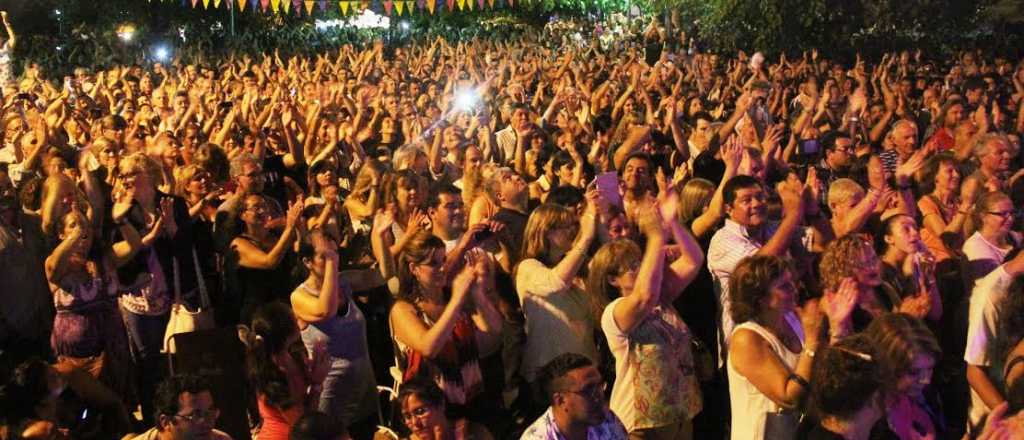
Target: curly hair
[(842, 258), (750, 284)]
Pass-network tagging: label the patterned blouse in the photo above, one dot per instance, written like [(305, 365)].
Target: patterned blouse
[(545, 428)]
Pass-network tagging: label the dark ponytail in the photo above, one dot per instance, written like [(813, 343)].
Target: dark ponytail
[(272, 326)]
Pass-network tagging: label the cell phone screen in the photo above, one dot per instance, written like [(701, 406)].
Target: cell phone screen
[(608, 185)]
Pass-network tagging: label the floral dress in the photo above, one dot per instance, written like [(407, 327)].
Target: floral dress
[(655, 379)]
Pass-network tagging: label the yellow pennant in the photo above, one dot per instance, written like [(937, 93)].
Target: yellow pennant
[(462, 4), (216, 4), (241, 5), (286, 5), (206, 4), (275, 5), (309, 7), (409, 6), (400, 6), (344, 7)]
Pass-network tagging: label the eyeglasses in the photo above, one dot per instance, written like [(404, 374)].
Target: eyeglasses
[(593, 391), (417, 413), (200, 415), (259, 209), (1003, 214)]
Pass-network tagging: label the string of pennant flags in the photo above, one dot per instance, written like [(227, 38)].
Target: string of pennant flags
[(347, 7)]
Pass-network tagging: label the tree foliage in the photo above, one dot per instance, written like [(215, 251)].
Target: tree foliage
[(850, 25)]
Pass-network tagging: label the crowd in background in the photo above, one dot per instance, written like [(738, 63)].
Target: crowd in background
[(591, 241)]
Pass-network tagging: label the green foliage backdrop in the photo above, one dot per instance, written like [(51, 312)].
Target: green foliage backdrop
[(84, 30)]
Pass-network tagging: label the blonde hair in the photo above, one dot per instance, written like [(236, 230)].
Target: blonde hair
[(842, 191), (694, 197), (544, 219), (369, 169), (182, 177), (611, 260), (141, 163)]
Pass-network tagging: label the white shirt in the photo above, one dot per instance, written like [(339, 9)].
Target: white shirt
[(728, 247), (984, 256), (558, 319), (982, 325), (749, 405)]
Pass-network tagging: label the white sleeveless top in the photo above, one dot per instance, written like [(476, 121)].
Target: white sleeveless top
[(749, 405)]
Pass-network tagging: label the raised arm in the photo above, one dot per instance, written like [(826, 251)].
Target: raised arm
[(410, 330), (253, 257), (12, 39), (325, 306), (636, 306), (566, 269)]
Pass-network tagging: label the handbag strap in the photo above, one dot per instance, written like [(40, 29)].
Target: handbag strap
[(177, 282), (204, 297)]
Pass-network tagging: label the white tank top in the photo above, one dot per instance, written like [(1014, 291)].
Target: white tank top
[(749, 405)]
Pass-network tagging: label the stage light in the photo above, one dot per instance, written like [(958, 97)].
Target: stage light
[(126, 32), (162, 54), (466, 100)]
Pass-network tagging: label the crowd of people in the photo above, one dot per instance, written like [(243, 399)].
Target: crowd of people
[(523, 238)]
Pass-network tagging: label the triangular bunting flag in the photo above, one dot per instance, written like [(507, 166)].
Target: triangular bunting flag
[(451, 5), (344, 7), (194, 3), (420, 4), (409, 6), (241, 5), (387, 7), (206, 4), (480, 5), (323, 5), (216, 4), (184, 2), (297, 6), (462, 4), (275, 5), (264, 4), (491, 3), (431, 5), (400, 6), (365, 5), (309, 7), (286, 5)]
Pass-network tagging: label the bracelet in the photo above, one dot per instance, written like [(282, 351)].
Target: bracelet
[(799, 381)]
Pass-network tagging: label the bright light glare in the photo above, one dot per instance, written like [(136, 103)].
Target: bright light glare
[(56, 11), (404, 25), (162, 54), (465, 100), (126, 32), (367, 20)]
